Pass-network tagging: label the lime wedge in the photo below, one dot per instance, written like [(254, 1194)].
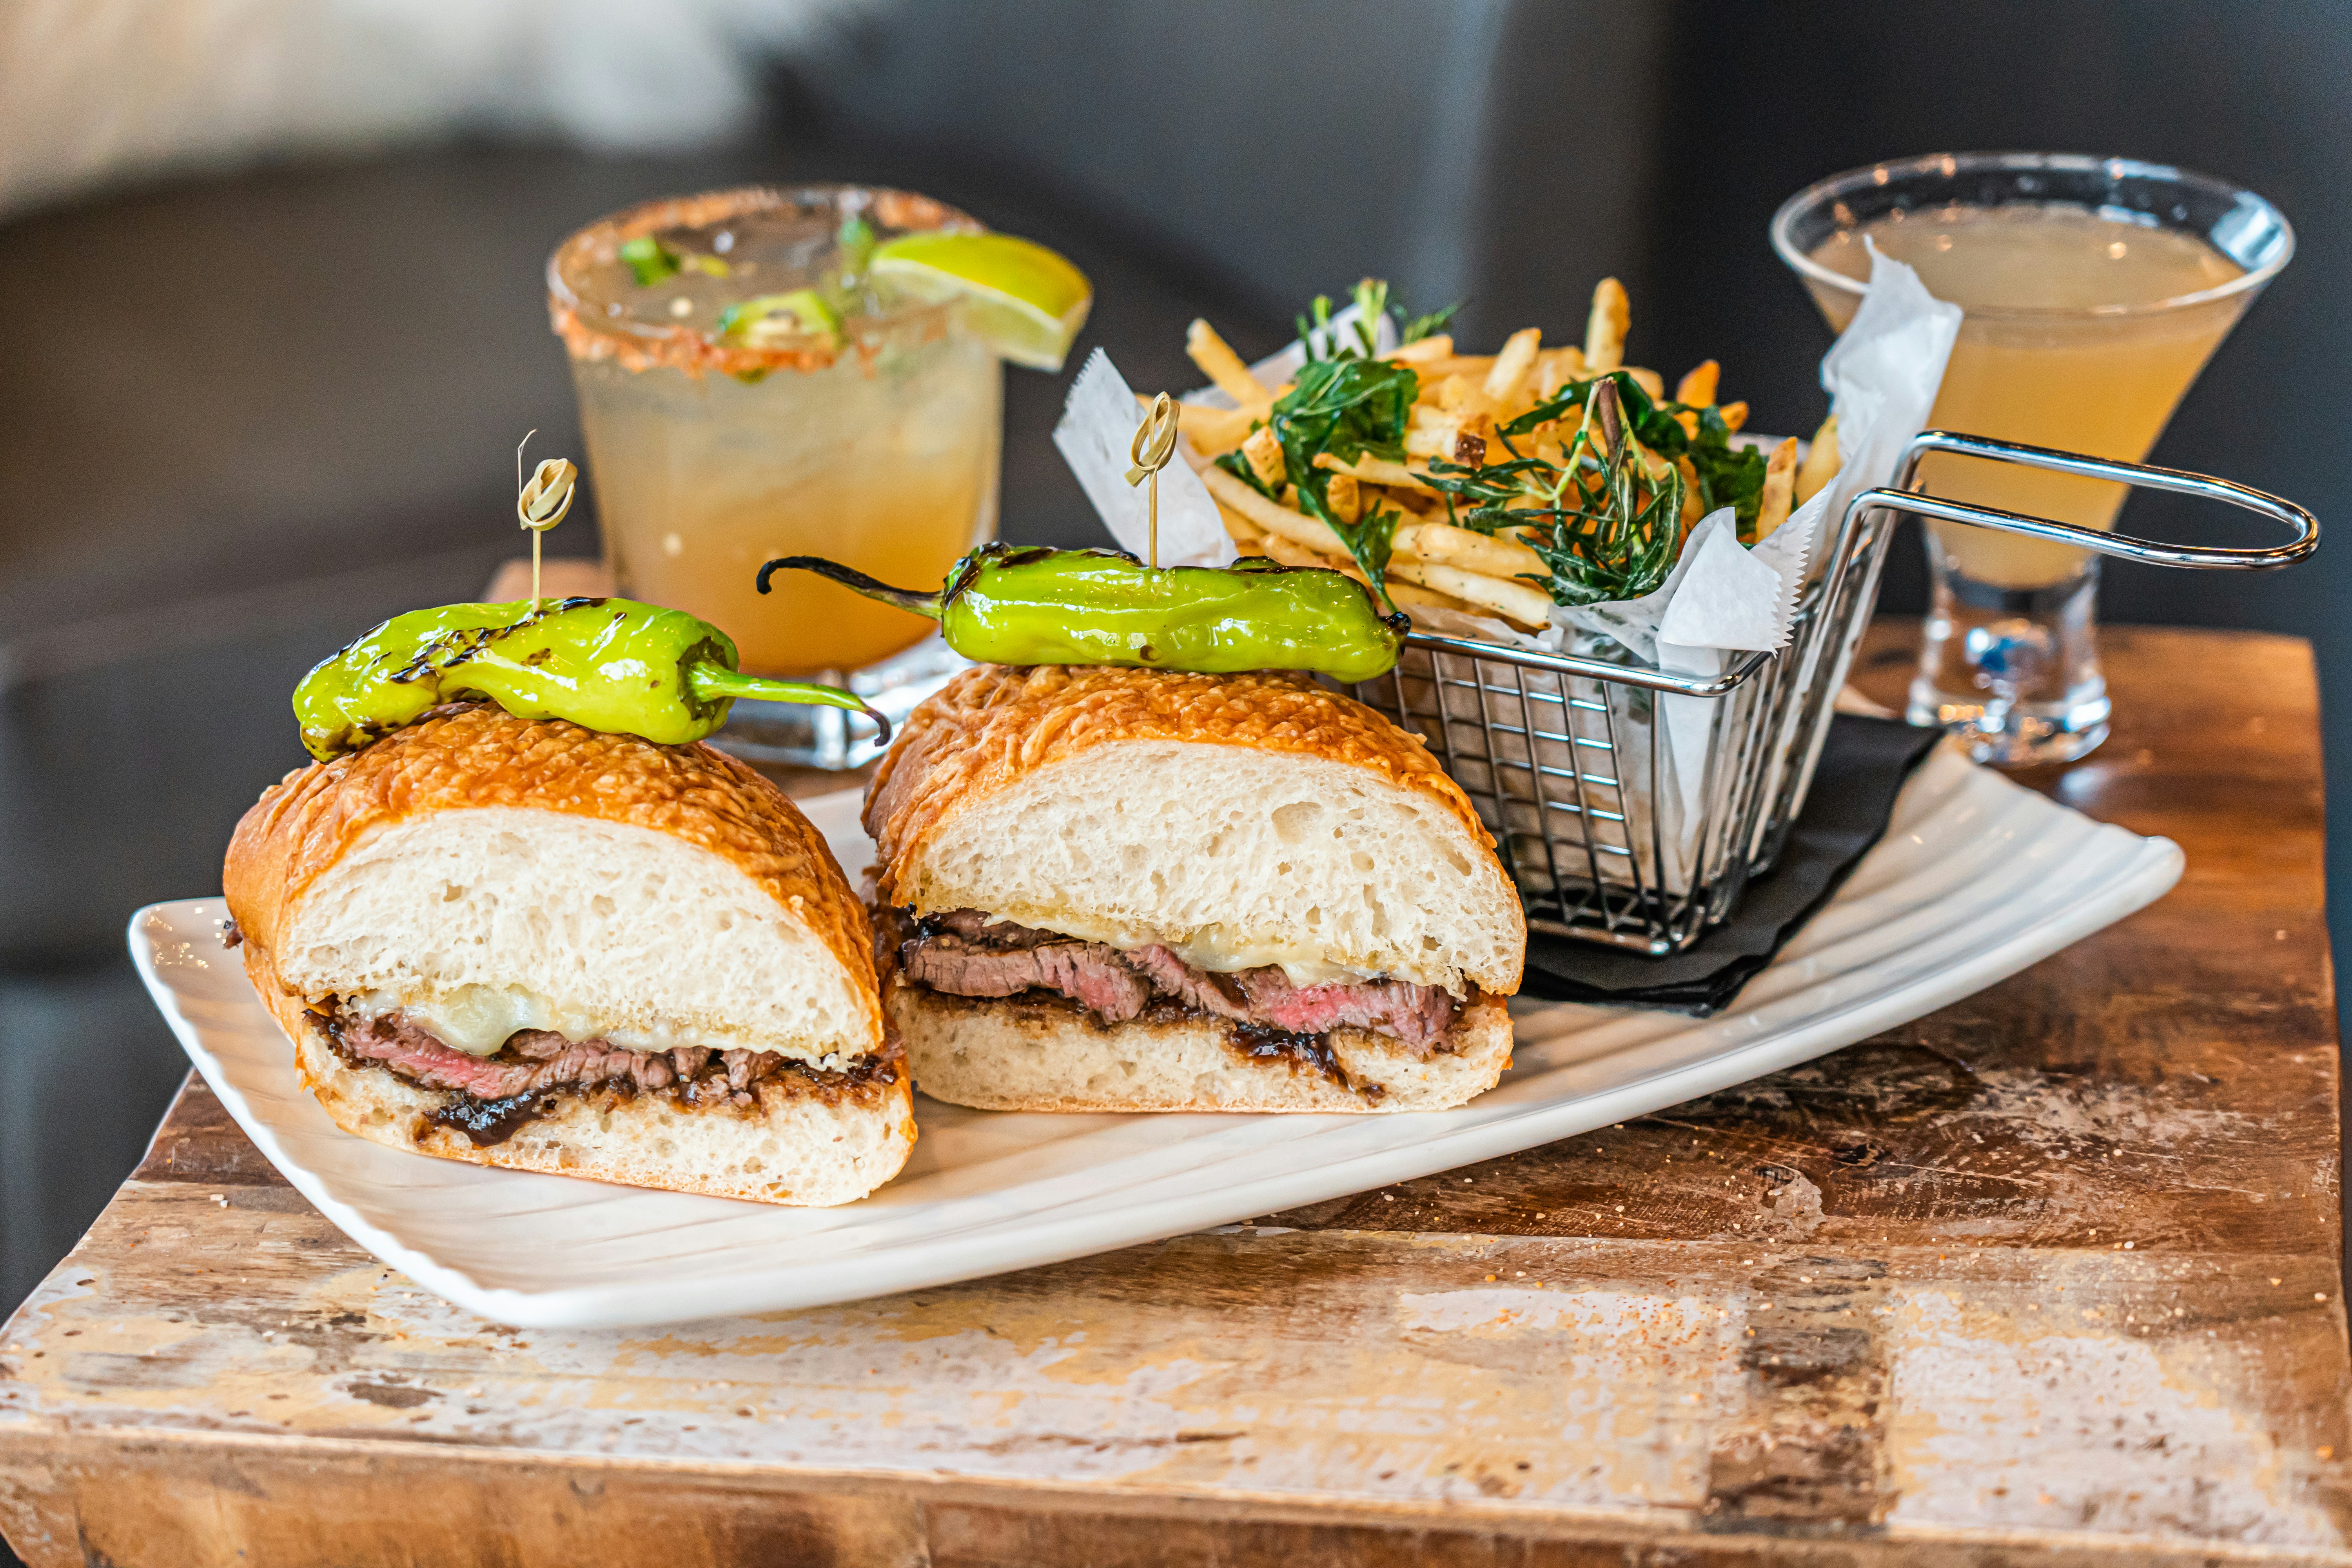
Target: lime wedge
[(1027, 302)]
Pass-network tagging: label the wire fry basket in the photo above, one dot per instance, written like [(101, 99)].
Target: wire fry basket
[(1633, 804)]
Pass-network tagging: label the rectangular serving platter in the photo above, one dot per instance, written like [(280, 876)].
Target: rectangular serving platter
[(1975, 879)]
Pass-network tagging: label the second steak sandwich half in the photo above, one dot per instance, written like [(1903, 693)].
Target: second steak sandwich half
[(1122, 890)]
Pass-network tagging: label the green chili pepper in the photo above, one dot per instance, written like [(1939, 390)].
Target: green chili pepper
[(604, 664), (1004, 604)]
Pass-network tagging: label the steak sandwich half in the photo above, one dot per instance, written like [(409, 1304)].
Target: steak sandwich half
[(1122, 889), (535, 945)]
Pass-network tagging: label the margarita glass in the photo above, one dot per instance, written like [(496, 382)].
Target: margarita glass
[(749, 388)]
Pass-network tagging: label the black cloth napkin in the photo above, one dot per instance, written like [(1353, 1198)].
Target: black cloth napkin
[(1862, 766)]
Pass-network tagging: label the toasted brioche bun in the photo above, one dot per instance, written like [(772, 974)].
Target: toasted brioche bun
[(669, 893), (1259, 810), (1024, 1053)]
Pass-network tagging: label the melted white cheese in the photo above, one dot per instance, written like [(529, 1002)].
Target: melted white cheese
[(1220, 951), (476, 1019)]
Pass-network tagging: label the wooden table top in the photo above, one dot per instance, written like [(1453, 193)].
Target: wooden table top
[(2052, 1272)]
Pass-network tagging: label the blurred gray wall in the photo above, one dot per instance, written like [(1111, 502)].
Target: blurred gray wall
[(1501, 151)]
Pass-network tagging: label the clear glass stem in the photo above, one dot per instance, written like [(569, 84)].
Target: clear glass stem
[(2015, 671)]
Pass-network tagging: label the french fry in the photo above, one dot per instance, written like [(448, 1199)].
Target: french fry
[(1368, 469), (1508, 376), (1555, 368), (1457, 436), (1520, 601), (1443, 544), (1473, 366), (1402, 593), (1433, 436), (1292, 554), (1295, 526), (1263, 451), (1295, 542), (1222, 365), (1604, 330), (1472, 442), (1822, 463), (1459, 400), (1693, 503), (1437, 347), (1214, 432), (1779, 484), (1698, 387), (1345, 497), (1457, 392)]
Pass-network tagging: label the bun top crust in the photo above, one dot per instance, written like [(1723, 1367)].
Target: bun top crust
[(994, 724), (474, 755)]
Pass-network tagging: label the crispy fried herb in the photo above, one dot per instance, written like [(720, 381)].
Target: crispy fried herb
[(1346, 407), (1411, 330), (1372, 301), (1605, 511), (1604, 522), (1322, 342), (1728, 475), (1346, 402)]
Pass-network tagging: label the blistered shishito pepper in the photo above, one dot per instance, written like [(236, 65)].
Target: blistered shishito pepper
[(604, 664), (1010, 604)]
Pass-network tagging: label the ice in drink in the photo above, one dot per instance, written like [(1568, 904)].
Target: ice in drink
[(2082, 332)]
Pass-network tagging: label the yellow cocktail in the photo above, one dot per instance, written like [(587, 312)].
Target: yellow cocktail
[(2075, 337), (2093, 290), (748, 389)]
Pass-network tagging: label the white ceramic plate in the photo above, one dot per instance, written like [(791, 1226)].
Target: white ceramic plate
[(1975, 879)]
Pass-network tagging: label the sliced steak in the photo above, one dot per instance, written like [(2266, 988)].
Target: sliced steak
[(964, 954), (1005, 961), (1218, 996), (533, 1060), (1417, 1014)]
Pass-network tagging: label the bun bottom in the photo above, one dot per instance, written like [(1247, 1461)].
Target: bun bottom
[(809, 1150), (1024, 1054)]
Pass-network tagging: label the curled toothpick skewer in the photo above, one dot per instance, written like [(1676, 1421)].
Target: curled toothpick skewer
[(1155, 443), (542, 503)]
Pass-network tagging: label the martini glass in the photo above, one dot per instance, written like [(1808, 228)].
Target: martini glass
[(2093, 292)]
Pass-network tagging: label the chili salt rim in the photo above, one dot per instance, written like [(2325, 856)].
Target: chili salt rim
[(637, 345)]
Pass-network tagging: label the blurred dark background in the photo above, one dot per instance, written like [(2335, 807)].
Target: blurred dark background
[(262, 395)]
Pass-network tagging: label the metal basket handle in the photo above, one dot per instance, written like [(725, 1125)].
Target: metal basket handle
[(1905, 499)]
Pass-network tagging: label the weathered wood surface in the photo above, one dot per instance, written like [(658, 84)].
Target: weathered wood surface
[(2049, 1273)]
